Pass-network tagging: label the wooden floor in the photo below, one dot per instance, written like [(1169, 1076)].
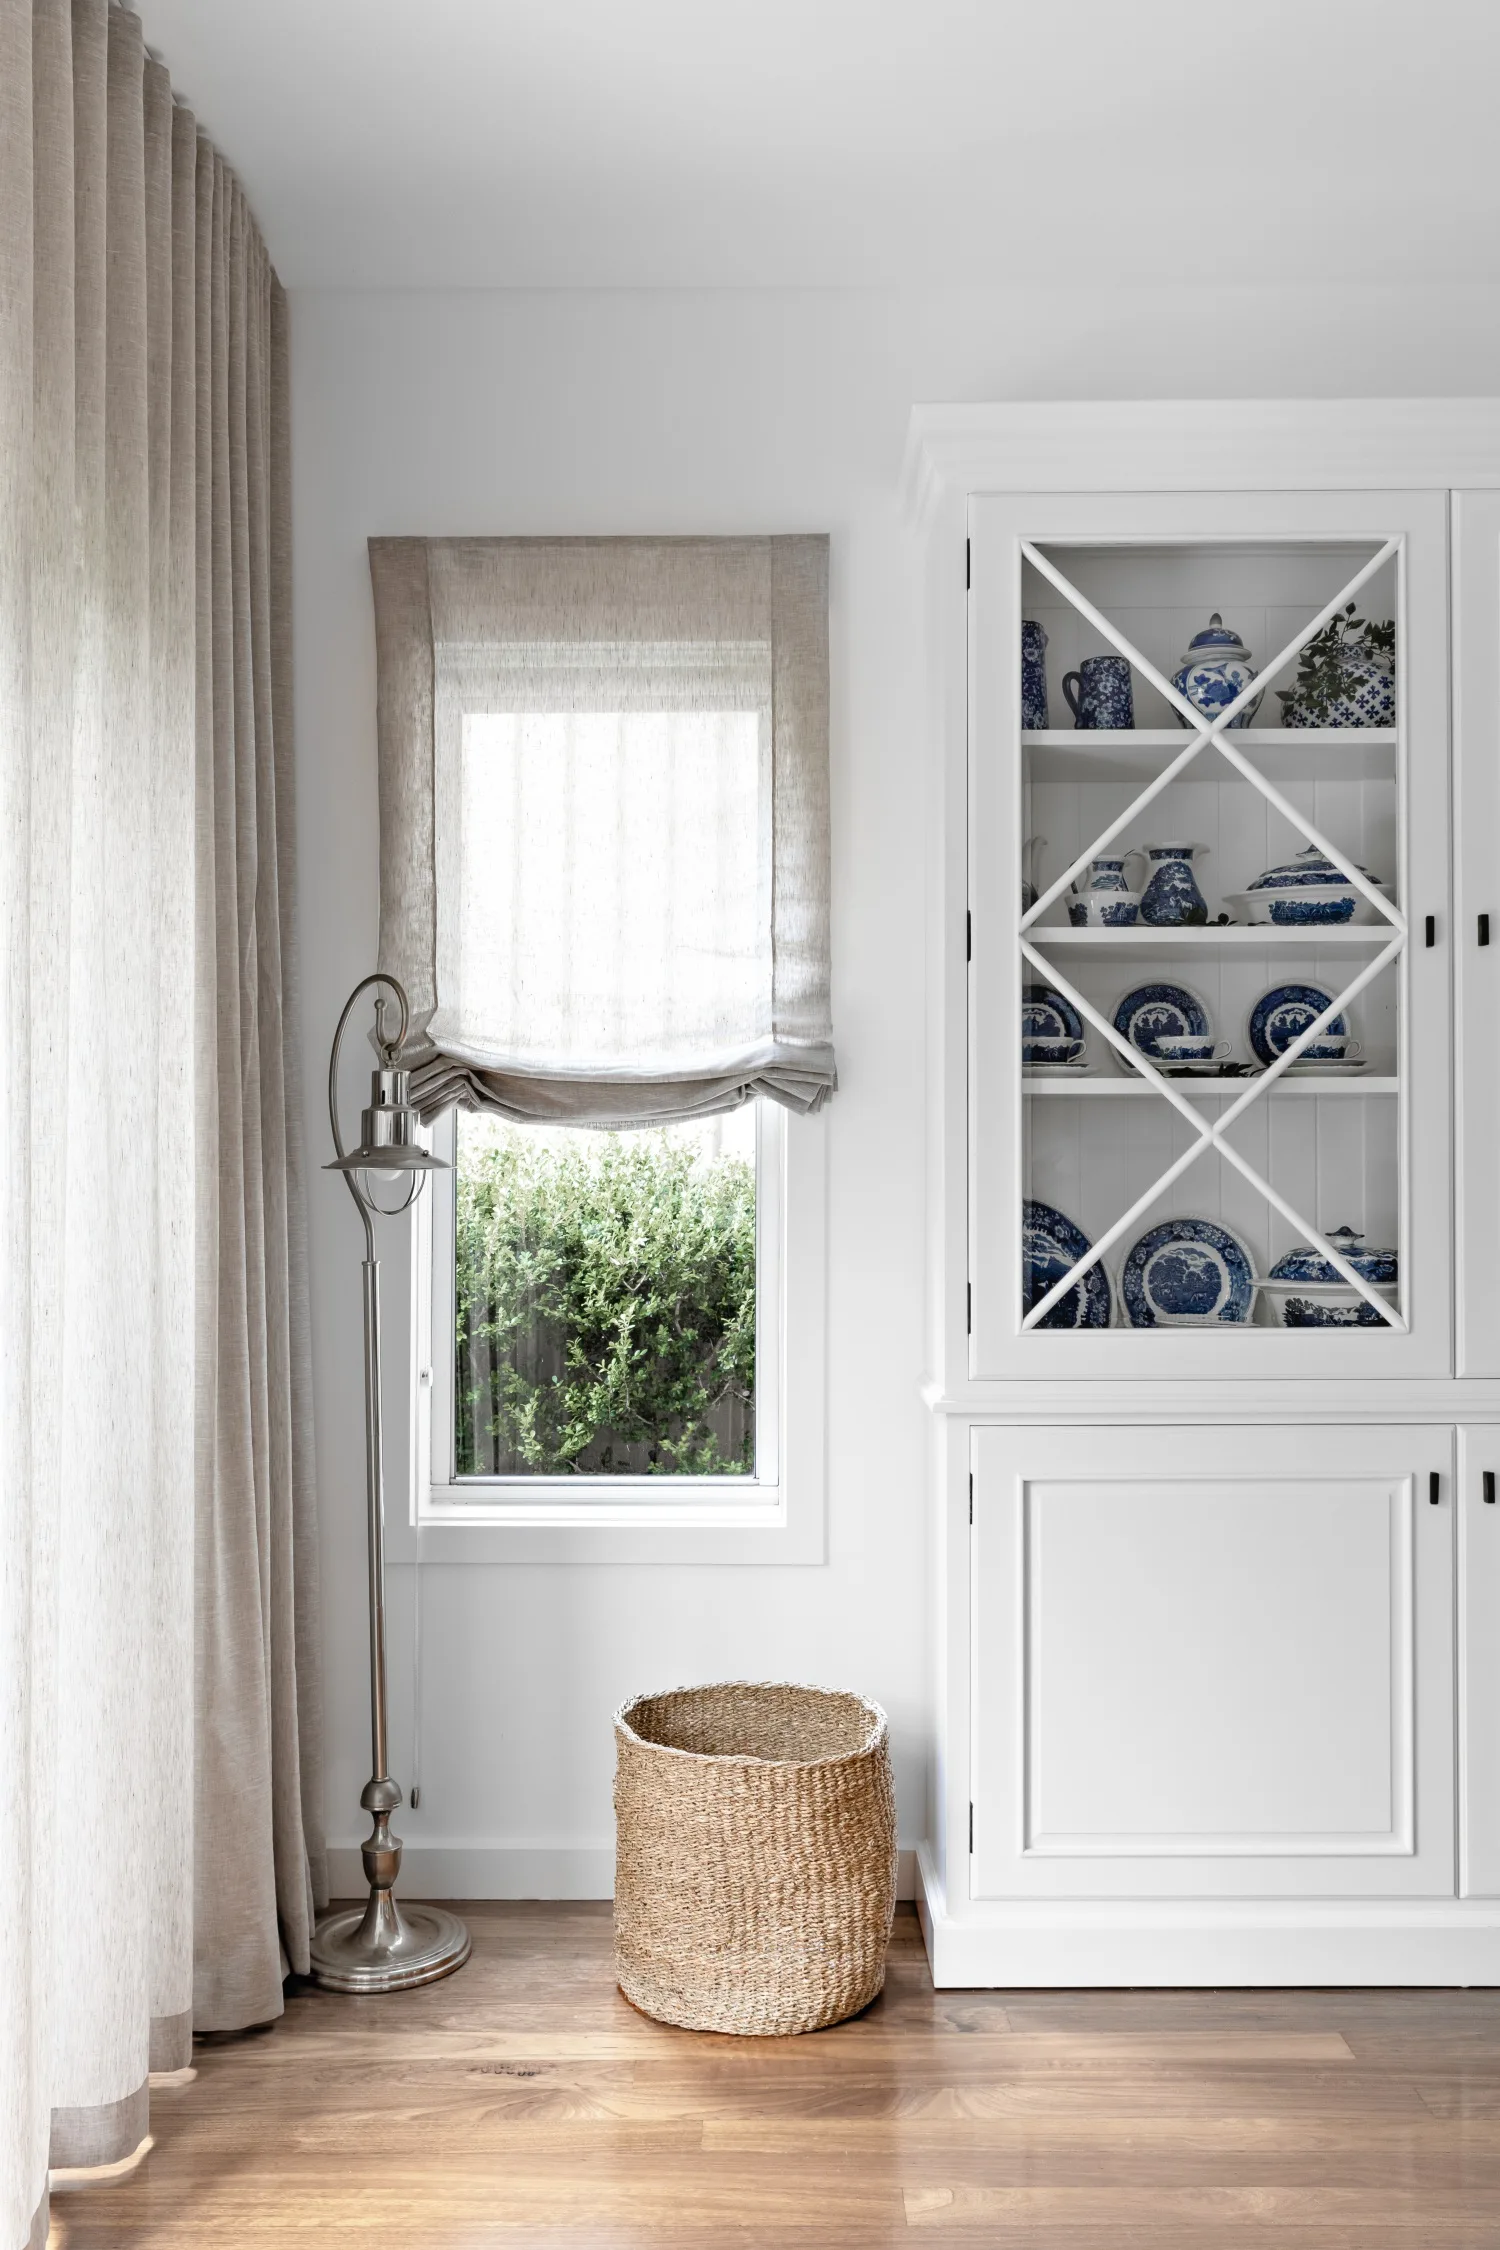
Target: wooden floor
[(524, 2103)]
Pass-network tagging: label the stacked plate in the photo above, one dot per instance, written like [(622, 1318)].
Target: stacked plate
[(1051, 1029), (1281, 1015)]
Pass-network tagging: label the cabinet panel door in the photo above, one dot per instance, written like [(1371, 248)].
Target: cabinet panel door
[(1479, 1662), (1080, 1153), (1213, 1662), (1476, 966)]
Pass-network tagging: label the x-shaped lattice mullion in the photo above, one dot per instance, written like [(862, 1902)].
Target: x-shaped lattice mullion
[(1211, 1134), (1214, 732)]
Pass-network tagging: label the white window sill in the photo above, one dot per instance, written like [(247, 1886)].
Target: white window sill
[(539, 1527)]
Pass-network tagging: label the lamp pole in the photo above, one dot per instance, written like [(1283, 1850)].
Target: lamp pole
[(381, 1947)]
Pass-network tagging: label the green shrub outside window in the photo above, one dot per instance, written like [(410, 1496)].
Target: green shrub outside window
[(605, 1301)]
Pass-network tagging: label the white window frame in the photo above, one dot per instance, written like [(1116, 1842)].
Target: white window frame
[(776, 1516)]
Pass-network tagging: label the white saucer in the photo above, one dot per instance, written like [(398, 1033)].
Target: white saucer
[(1055, 1070), (1348, 1067)]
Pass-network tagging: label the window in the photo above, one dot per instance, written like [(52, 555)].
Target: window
[(604, 884), (606, 1311)]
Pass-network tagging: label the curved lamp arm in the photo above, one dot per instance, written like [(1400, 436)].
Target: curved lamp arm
[(414, 1165)]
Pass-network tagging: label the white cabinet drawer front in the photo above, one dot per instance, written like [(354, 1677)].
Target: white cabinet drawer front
[(1216, 1662)]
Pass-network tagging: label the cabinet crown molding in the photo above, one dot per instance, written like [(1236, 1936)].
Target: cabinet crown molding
[(1169, 445)]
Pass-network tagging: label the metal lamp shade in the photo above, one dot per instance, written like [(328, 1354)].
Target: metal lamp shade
[(388, 1158), (388, 1131)]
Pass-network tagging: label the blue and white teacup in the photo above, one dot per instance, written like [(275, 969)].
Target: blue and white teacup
[(1051, 1050), (1188, 1047), (1099, 693)]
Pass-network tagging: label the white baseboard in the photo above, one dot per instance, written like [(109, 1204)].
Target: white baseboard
[(1073, 1942), (511, 1871)]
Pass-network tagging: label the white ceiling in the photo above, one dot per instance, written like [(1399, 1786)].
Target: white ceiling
[(706, 143)]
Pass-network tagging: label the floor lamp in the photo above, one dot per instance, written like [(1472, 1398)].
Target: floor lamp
[(381, 1947)]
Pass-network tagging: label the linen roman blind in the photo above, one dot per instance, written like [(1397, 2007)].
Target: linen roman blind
[(604, 822)]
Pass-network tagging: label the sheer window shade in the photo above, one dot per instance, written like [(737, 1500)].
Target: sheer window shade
[(604, 821)]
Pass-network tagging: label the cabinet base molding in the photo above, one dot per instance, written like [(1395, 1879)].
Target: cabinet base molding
[(1027, 1945)]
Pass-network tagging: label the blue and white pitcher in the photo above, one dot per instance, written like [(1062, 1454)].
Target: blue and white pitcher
[(1172, 899)]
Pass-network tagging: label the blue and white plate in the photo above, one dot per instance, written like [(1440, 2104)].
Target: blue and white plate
[(1187, 1273), (1283, 1014), (1045, 1014), (1050, 1247), (1160, 1011)]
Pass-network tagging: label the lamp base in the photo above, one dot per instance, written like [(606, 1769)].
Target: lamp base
[(383, 1947)]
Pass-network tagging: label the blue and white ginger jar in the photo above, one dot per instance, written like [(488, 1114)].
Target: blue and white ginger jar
[(1215, 670)]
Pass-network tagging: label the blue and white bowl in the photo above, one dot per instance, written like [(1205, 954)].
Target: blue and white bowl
[(1371, 703), (1104, 910)]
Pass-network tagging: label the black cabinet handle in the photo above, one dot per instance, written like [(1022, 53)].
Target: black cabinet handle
[(1430, 928), (1484, 929), (1489, 1488), (1434, 1487)]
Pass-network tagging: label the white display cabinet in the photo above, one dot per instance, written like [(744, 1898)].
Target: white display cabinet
[(1112, 1153), (1216, 1550)]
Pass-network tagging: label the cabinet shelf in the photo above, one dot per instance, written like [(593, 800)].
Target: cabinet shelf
[(1212, 944), (1281, 753), (1200, 1089)]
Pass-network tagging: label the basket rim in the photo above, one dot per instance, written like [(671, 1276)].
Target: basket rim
[(880, 1726)]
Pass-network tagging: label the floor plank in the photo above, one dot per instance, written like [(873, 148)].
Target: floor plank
[(525, 2106)]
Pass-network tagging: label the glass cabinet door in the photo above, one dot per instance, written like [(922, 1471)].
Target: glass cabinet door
[(1208, 877)]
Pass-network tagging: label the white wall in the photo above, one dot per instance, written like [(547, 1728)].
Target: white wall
[(721, 412)]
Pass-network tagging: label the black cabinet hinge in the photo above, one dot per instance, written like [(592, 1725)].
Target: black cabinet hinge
[(971, 1496), (969, 935), (971, 1829), (1434, 1488), (1487, 1486), (968, 566), (969, 1314), (1483, 932), (1429, 930)]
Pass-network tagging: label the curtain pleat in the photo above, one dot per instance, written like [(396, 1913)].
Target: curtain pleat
[(159, 1698)]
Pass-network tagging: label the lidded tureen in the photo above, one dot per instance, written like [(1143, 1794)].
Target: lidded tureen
[(1333, 1303), (1308, 888)]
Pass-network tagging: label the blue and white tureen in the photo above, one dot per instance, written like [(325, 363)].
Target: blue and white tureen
[(1305, 890), (1215, 670), (1331, 1302)]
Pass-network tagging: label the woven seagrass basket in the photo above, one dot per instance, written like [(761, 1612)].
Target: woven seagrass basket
[(755, 1874)]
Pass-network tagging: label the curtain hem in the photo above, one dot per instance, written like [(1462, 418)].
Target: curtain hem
[(99, 2132)]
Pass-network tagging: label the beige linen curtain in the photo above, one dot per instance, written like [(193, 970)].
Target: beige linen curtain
[(604, 822), (158, 1697)]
